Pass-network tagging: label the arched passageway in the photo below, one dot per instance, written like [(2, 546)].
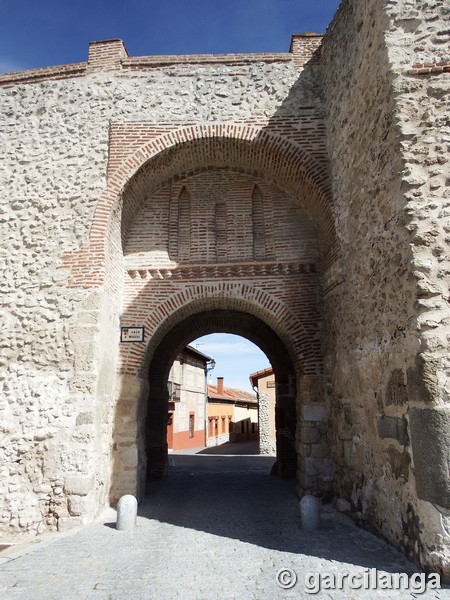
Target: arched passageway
[(300, 417), (223, 321), (220, 235)]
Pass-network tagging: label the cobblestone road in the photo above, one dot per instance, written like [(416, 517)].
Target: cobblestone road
[(218, 527)]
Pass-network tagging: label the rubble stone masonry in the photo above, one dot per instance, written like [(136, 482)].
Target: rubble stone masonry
[(300, 199), (388, 325)]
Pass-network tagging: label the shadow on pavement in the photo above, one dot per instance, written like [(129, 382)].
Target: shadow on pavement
[(239, 448), (236, 497)]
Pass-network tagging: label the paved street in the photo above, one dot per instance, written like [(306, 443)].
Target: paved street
[(220, 527)]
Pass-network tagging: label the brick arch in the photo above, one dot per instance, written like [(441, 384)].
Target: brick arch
[(247, 149), (274, 145), (220, 320), (258, 152), (184, 330), (299, 336)]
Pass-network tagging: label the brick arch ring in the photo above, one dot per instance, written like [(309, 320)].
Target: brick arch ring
[(291, 166), (298, 337)]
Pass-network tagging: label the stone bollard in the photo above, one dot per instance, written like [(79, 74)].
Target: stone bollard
[(310, 512), (126, 513)]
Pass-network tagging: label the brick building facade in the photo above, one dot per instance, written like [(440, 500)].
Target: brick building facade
[(232, 414), (299, 199)]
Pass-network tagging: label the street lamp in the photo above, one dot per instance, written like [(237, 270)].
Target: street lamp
[(210, 365)]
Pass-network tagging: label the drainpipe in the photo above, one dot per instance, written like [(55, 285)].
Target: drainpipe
[(209, 366)]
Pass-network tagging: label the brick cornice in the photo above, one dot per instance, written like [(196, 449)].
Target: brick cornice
[(111, 55), (223, 271), (43, 74), (155, 62)]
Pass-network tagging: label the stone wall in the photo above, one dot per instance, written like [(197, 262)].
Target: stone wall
[(387, 321), (328, 170), (266, 441), (53, 168), (61, 421), (418, 38)]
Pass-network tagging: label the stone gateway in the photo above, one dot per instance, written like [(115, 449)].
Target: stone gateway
[(299, 199)]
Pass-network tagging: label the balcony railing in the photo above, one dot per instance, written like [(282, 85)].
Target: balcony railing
[(174, 391)]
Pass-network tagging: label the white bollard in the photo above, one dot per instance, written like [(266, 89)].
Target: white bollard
[(310, 512), (126, 513)]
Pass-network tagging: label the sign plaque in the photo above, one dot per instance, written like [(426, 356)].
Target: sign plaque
[(131, 334)]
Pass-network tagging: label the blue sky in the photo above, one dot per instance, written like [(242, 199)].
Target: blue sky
[(235, 358), (38, 33)]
